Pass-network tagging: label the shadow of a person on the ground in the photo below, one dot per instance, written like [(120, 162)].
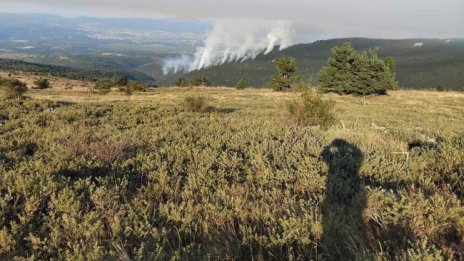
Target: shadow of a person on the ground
[(344, 234)]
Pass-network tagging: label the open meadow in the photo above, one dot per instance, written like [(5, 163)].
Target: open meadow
[(139, 177)]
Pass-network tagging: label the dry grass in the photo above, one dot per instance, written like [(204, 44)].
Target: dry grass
[(139, 176), (426, 109), (438, 111), (57, 83)]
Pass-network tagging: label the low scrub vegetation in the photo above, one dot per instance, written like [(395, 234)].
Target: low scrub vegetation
[(122, 84), (42, 83), (148, 180), (181, 82), (312, 110), (241, 85), (13, 88), (200, 80), (197, 104), (103, 85), (197, 80)]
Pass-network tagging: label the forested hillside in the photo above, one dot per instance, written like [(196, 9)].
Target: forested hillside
[(421, 63)]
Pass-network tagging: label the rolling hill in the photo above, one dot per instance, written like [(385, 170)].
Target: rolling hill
[(71, 72), (137, 47), (421, 63)]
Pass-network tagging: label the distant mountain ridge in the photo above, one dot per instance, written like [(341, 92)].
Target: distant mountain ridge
[(420, 63), (138, 47)]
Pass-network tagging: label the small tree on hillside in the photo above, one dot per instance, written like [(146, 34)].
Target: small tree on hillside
[(200, 80), (286, 75), (181, 82), (349, 71), (241, 85)]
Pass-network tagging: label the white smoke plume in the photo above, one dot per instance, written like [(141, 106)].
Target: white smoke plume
[(177, 64), (234, 41)]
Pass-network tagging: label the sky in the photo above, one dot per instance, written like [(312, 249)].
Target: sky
[(318, 18)]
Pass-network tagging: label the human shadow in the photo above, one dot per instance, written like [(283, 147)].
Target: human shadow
[(344, 231)]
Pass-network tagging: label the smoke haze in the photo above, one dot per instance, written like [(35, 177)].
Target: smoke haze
[(234, 40)]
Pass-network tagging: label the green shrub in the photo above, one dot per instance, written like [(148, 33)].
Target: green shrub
[(120, 81), (137, 87), (241, 85), (286, 75), (42, 83), (200, 80), (312, 110), (352, 72), (13, 88), (6, 243), (301, 86), (139, 180), (181, 82), (103, 86), (197, 104), (126, 90)]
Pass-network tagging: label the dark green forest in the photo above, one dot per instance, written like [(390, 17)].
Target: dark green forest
[(435, 63)]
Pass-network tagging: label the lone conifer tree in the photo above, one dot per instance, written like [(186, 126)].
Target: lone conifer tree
[(349, 71), (181, 82), (240, 85), (286, 75)]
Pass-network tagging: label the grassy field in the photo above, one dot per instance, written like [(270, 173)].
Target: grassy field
[(93, 177)]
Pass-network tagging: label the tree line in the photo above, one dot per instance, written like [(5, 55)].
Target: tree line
[(347, 72)]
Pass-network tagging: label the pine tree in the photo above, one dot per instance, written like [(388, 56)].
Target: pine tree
[(349, 71), (286, 75), (181, 82), (240, 85)]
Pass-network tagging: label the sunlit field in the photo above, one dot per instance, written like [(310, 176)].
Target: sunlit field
[(91, 177)]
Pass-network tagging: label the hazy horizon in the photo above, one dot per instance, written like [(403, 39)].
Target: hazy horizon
[(395, 19), (206, 33), (203, 21)]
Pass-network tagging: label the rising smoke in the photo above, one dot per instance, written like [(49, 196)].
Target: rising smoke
[(234, 41)]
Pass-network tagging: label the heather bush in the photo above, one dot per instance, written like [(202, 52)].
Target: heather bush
[(120, 81), (181, 82), (42, 83), (13, 88), (138, 87), (197, 104), (103, 86), (145, 180), (125, 89), (312, 110), (200, 80)]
